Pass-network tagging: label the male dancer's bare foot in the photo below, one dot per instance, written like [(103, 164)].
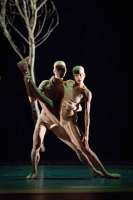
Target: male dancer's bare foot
[(112, 176), (32, 176), (24, 64), (107, 175)]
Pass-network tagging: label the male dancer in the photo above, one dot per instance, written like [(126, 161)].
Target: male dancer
[(48, 89), (76, 92)]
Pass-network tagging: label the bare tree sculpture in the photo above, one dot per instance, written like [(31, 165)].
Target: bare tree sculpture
[(31, 20)]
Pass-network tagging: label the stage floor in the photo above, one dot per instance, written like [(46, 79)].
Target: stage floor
[(63, 179)]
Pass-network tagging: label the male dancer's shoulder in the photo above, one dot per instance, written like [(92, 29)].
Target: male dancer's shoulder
[(87, 92), (69, 82)]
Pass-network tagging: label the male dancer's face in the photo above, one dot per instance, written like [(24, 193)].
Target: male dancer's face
[(79, 76), (59, 72)]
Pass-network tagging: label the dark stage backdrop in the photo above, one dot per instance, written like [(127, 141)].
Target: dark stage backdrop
[(95, 35)]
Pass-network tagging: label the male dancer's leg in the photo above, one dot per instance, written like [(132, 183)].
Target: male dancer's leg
[(38, 137), (76, 139), (61, 133)]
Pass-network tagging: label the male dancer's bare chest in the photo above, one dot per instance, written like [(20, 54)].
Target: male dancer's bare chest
[(74, 94)]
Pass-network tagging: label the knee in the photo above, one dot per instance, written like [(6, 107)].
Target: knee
[(36, 147), (36, 143)]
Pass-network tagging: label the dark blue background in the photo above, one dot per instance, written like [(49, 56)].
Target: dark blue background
[(95, 35)]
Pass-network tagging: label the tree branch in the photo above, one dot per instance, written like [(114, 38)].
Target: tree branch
[(19, 9), (16, 30), (41, 4), (43, 23)]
